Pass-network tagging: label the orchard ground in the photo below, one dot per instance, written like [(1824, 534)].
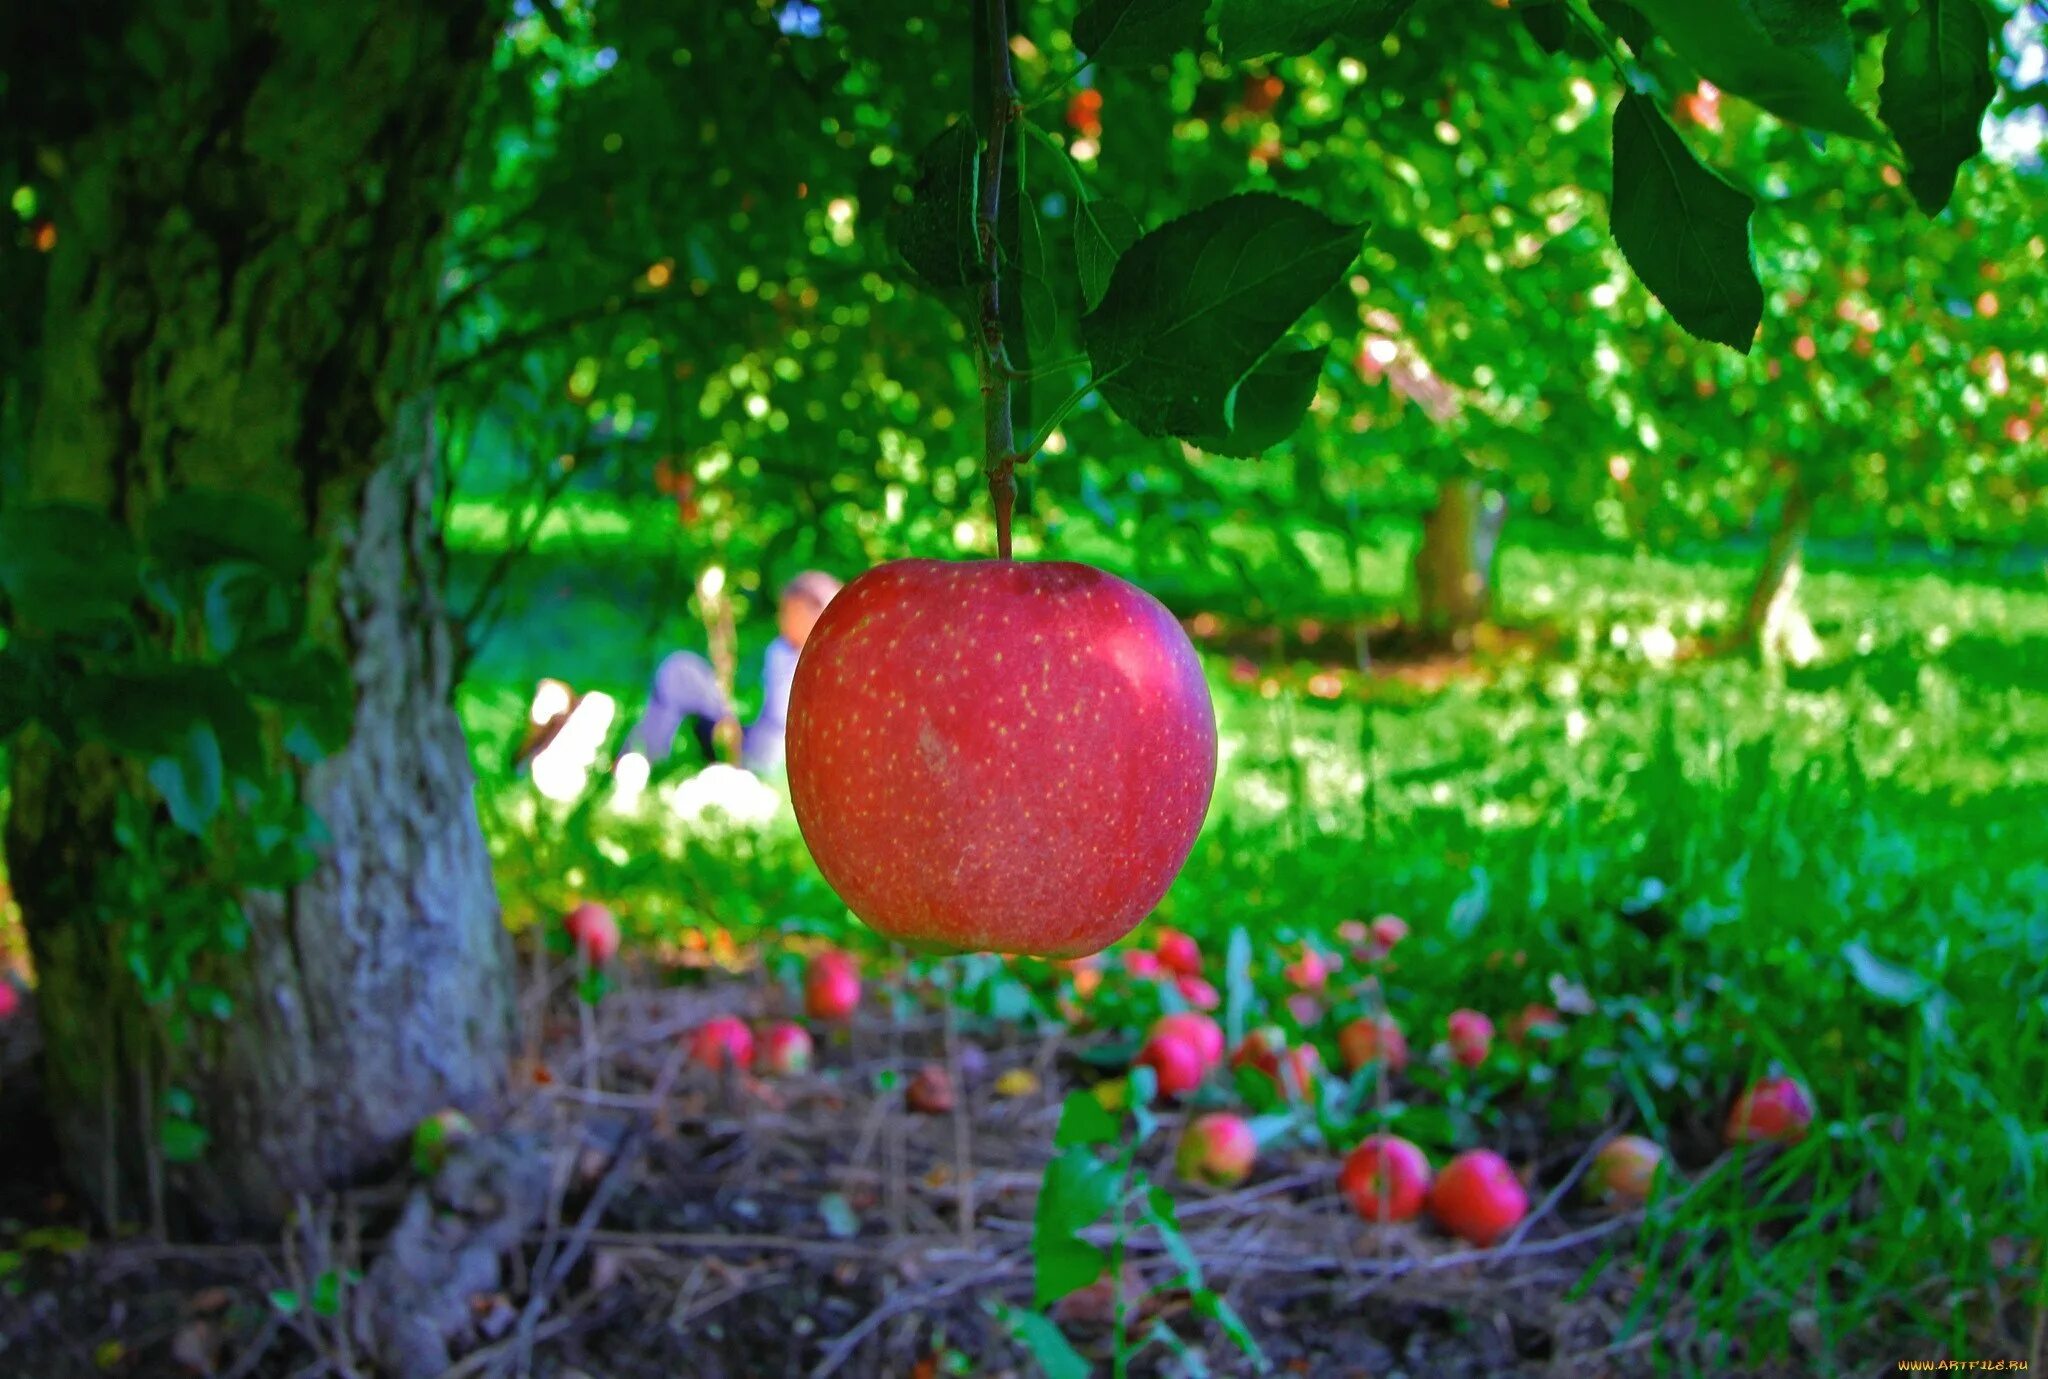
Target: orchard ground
[(1715, 869)]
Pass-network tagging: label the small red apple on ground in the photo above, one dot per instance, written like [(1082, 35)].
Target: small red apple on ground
[(1389, 930), (831, 986), (1773, 1110), (1197, 1029), (1293, 1070), (1309, 972), (1218, 1149), (931, 1091), (594, 930), (1624, 1169), (1366, 1040), (1000, 755), (785, 1050), (1198, 992), (1175, 1060), (721, 1042), (1144, 965), (1178, 953), (1471, 1037), (10, 998), (1533, 1019), (1478, 1197), (1385, 1178)]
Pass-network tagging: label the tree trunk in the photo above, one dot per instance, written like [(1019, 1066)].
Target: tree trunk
[(1772, 622), (1454, 563), (242, 298)]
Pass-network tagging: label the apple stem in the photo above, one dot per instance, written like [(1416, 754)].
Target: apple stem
[(999, 439)]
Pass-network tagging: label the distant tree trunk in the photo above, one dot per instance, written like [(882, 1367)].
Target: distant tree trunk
[(1454, 564), (242, 297), (1773, 598)]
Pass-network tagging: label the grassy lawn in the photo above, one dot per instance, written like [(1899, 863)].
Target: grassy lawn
[(1840, 871)]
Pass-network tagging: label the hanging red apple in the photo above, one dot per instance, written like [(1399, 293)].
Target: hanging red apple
[(999, 755)]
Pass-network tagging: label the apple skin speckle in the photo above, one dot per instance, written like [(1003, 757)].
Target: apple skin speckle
[(999, 755)]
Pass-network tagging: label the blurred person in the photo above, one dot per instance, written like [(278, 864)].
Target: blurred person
[(686, 692)]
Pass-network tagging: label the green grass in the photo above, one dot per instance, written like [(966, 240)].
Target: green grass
[(1841, 871)]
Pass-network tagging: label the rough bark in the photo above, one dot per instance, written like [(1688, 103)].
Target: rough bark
[(1454, 563), (1773, 598), (242, 299)]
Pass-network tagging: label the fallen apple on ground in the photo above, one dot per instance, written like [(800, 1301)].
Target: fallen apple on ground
[(721, 1042), (1365, 1041), (999, 755), (1772, 1110), (785, 1050), (1478, 1198), (1624, 1169), (1218, 1149), (1198, 1029), (1385, 1178), (1178, 953), (594, 930), (831, 986), (1176, 1062), (1471, 1037)]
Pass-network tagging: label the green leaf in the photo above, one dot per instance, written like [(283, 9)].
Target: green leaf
[(191, 779), (311, 687), (1237, 984), (21, 691), (1248, 29), (1684, 231), (1626, 21), (936, 233), (1037, 301), (1937, 86), (1792, 57), (1076, 1190), (1103, 229), (1194, 306), (1214, 1306), (197, 528), (182, 1142), (1268, 404), (1886, 981), (284, 1300), (1085, 1121), (243, 605), (1063, 1264), (1042, 1337), (66, 567), (326, 1299), (1138, 33)]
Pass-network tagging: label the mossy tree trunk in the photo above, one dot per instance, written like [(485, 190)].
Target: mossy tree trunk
[(241, 298), (1454, 563)]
